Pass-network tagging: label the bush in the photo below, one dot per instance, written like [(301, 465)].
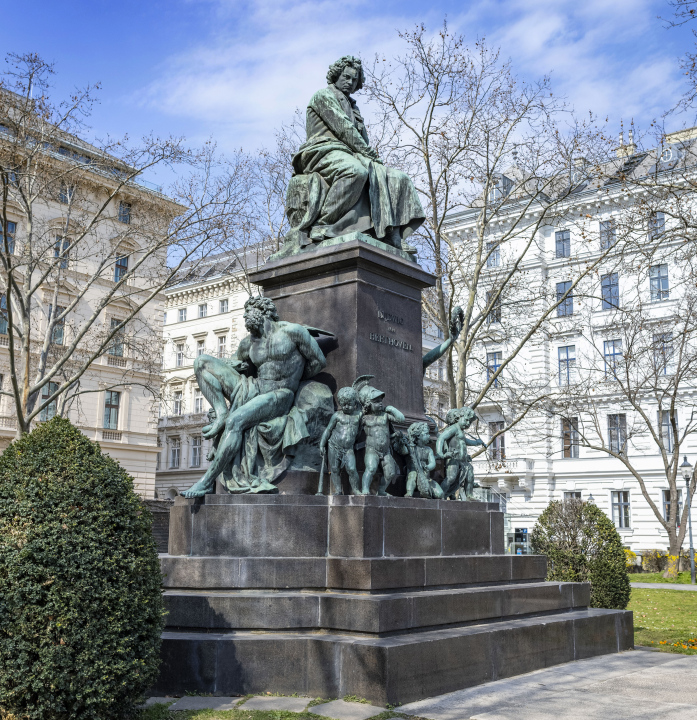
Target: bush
[(582, 545), (80, 583), (653, 561), (630, 559)]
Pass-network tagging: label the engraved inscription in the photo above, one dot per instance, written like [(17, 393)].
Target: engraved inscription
[(393, 342), (390, 318)]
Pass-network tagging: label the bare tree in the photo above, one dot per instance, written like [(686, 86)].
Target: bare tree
[(496, 162), (88, 244)]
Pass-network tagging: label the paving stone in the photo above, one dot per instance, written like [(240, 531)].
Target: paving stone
[(195, 702), (158, 701), (342, 710), (663, 586), (580, 705), (290, 704)]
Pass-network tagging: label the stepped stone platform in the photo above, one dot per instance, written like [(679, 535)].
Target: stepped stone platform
[(389, 599)]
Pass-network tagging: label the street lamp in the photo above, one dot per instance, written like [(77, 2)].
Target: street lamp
[(686, 470)]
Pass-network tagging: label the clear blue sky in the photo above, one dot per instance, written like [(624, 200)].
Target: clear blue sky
[(235, 70)]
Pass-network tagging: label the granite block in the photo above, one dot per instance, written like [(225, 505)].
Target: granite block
[(596, 632), (375, 573), (355, 530), (279, 573), (466, 533), (497, 539), (188, 664), (528, 567), (412, 532), (342, 710)]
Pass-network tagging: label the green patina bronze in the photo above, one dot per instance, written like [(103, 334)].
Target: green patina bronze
[(421, 462), (452, 446), (271, 399), (340, 186), (456, 321)]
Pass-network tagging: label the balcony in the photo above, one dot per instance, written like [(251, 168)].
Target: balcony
[(4, 341), (116, 361), (506, 473), (8, 421), (113, 435)]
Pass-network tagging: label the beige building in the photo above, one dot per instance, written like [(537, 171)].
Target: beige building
[(113, 402)]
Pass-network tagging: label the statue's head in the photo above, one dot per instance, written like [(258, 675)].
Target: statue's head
[(462, 416), (347, 74), (370, 398), (256, 310), (347, 398), (419, 434)]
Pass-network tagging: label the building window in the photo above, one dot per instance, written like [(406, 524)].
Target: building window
[(572, 495), (617, 433), (493, 363), (667, 434), (620, 508), (203, 310), (195, 451), (569, 437), (177, 402), (125, 212), (175, 452), (50, 410), (566, 306), (60, 251), (497, 448), (58, 332), (612, 350), (121, 267), (657, 225), (11, 230), (164, 318), (112, 401), (663, 352), (610, 291), (567, 364), (494, 315), (182, 314), (658, 281), (116, 347), (562, 241), (66, 193), (179, 356), (666, 505), (493, 258), (608, 234), (3, 314), (200, 347), (198, 401), (222, 345), (223, 305)]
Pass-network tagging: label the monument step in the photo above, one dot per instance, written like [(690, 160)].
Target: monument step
[(377, 614), (335, 526), (396, 573), (396, 669)]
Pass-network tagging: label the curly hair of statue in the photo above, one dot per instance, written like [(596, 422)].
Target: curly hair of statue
[(335, 69), (456, 413), (264, 304)]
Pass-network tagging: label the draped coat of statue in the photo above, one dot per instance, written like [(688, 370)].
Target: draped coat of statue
[(340, 184)]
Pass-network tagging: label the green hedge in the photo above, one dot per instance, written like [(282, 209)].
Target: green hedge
[(582, 545), (81, 609)]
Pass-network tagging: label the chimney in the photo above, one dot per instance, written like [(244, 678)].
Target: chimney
[(624, 151)]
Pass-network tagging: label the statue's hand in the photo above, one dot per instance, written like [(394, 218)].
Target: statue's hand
[(211, 454), (323, 450), (240, 365), (457, 320)]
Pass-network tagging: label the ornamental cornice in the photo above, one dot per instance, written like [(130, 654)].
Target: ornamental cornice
[(195, 293)]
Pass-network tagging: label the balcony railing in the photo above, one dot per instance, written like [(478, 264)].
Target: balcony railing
[(4, 341), (116, 361), (8, 421), (114, 435)]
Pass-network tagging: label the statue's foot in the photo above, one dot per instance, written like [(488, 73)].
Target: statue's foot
[(210, 431), (410, 249), (199, 489)]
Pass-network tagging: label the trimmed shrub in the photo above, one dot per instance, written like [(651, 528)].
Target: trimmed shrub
[(630, 559), (582, 545), (80, 586)]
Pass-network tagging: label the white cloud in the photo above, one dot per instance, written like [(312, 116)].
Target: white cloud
[(263, 59)]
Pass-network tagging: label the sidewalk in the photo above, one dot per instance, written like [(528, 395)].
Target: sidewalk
[(636, 685), (663, 586)]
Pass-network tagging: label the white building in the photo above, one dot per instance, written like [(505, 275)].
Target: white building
[(112, 408), (595, 329)]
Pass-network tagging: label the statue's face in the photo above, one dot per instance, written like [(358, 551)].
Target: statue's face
[(376, 406), (254, 321), (348, 405), (424, 437), (348, 80), (464, 422)]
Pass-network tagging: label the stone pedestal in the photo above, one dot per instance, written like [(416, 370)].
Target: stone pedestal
[(370, 298), (389, 599)]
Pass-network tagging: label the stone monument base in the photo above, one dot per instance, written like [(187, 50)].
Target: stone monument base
[(389, 599)]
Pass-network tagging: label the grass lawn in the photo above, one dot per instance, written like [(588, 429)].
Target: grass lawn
[(682, 579), (665, 620)]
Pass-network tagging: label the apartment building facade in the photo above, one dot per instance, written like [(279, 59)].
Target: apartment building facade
[(113, 402), (604, 361)]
